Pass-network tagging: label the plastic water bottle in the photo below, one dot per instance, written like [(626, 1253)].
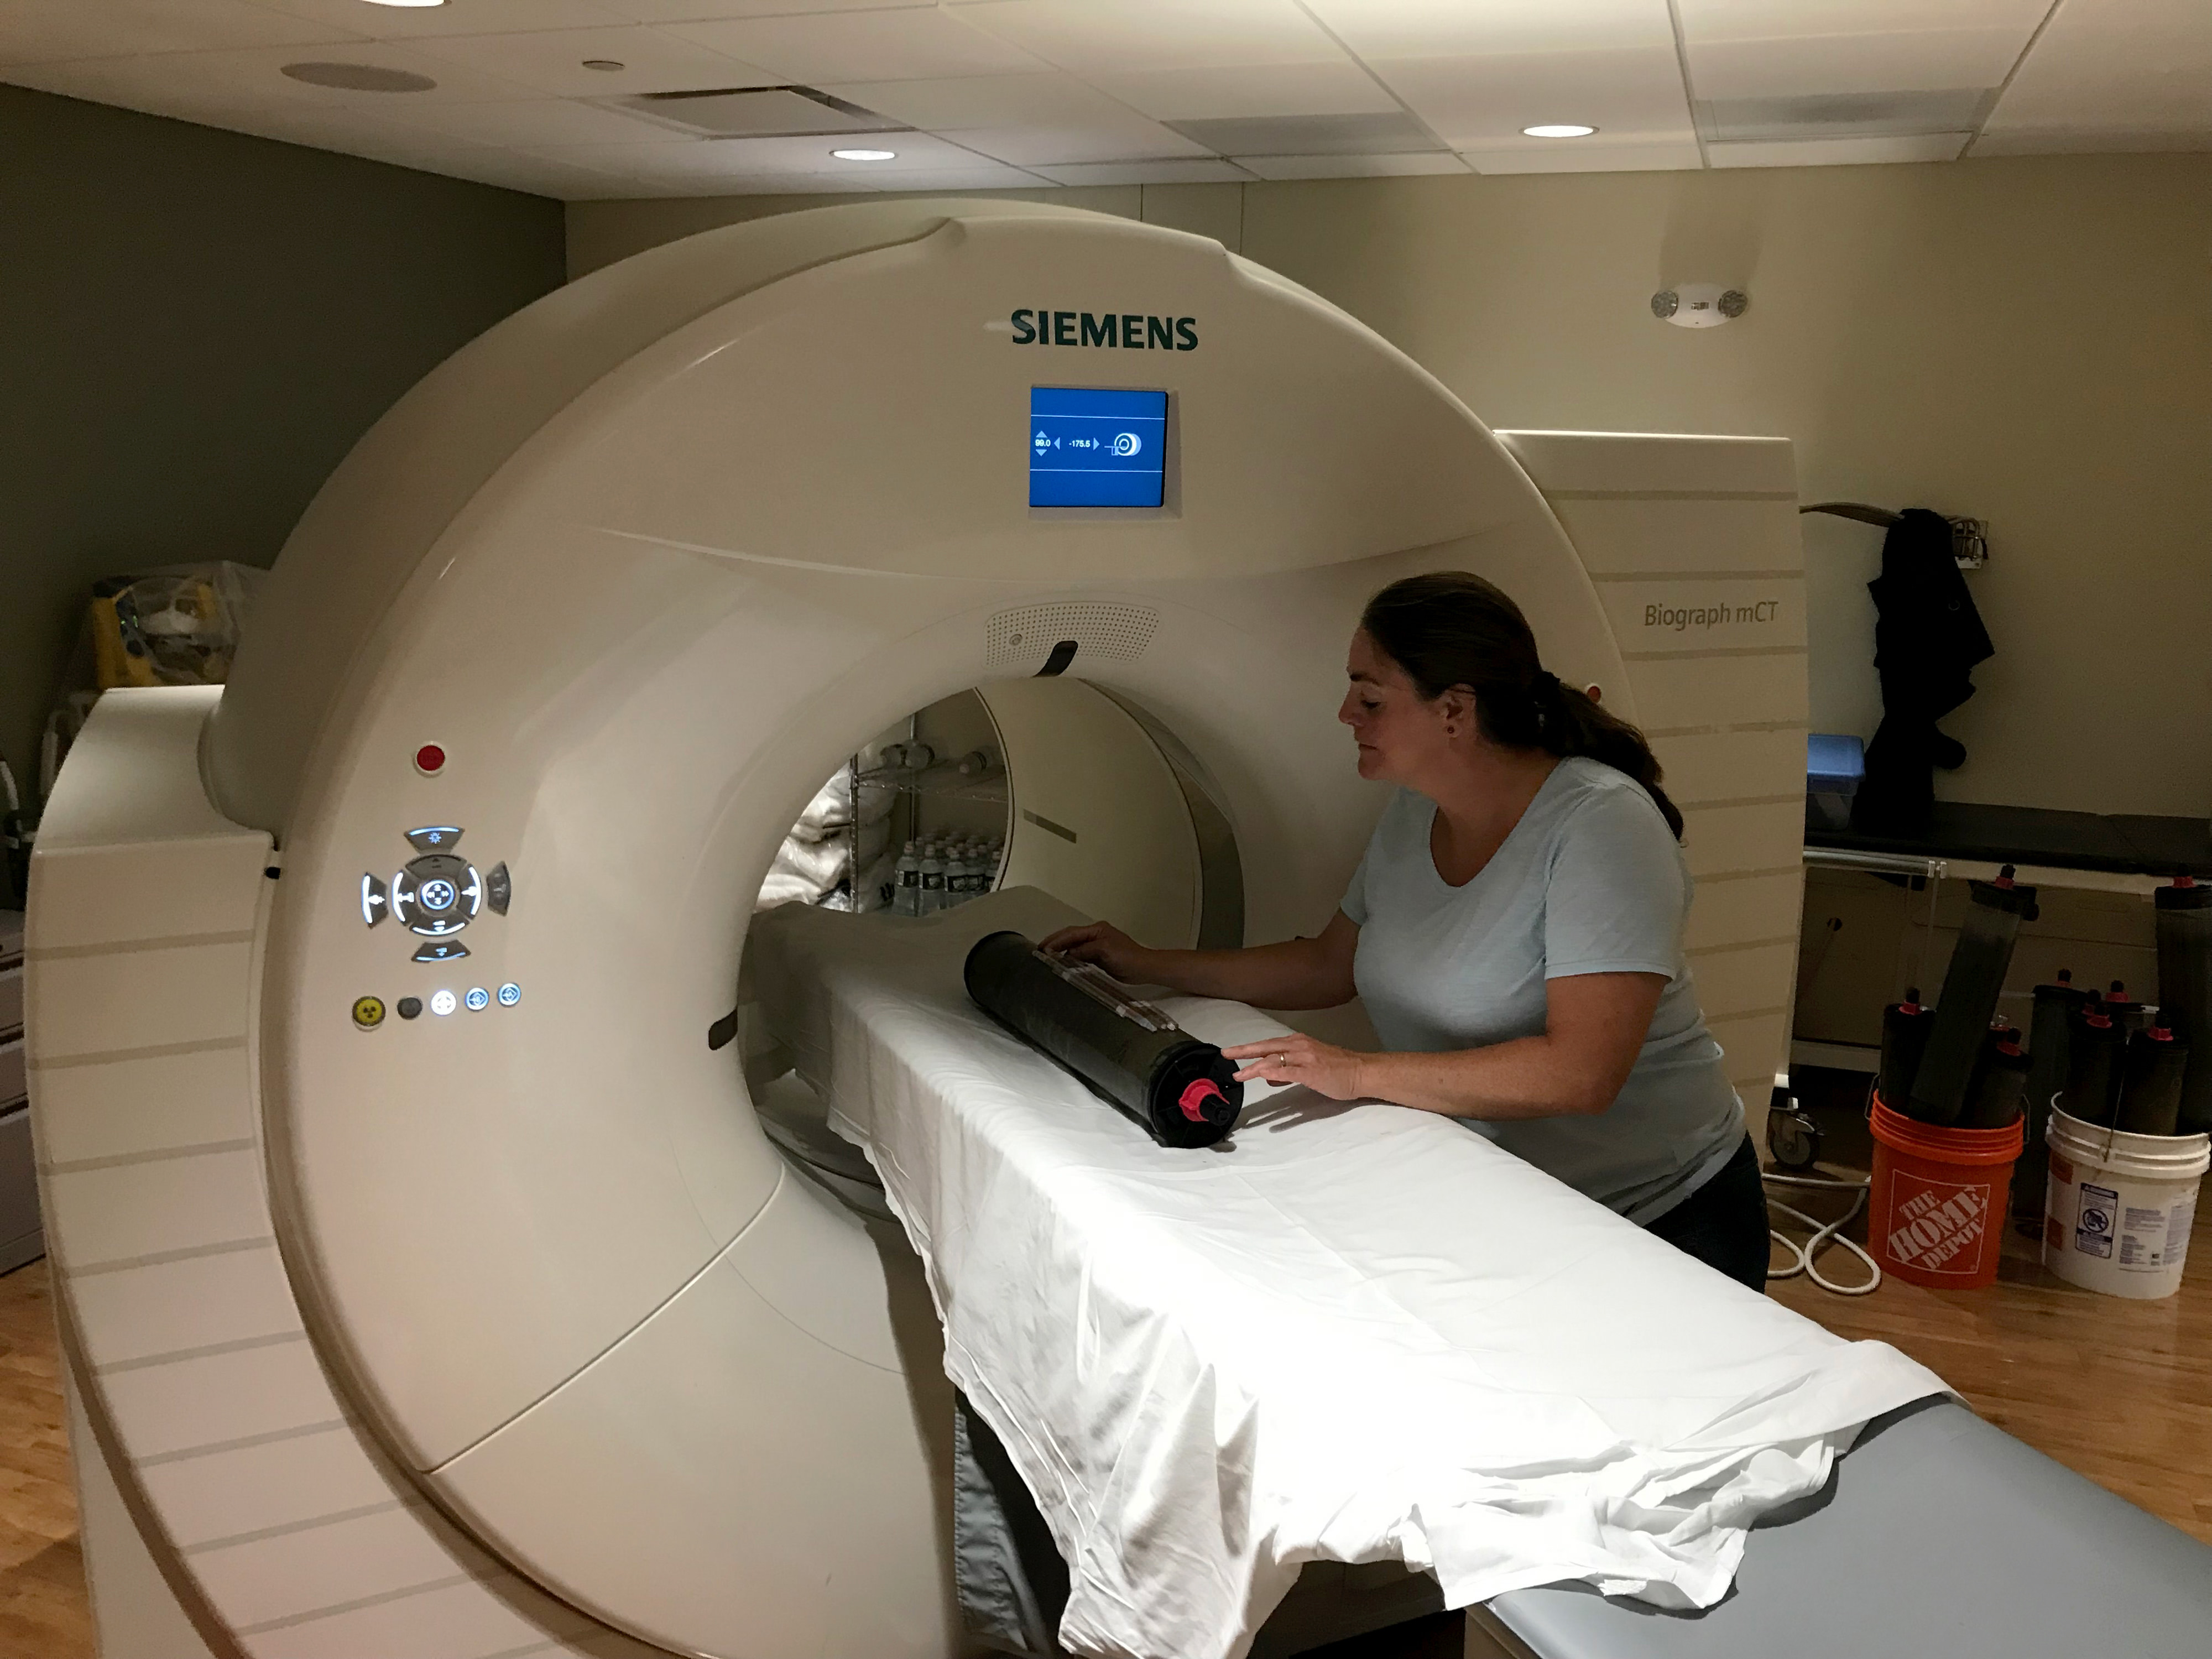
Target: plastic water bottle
[(960, 874), (906, 873), (933, 880)]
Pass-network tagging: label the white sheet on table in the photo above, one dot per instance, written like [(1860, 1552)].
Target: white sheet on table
[(1353, 1333)]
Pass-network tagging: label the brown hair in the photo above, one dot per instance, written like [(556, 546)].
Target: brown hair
[(1450, 628)]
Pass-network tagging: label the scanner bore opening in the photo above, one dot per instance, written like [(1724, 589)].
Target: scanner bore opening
[(1047, 781)]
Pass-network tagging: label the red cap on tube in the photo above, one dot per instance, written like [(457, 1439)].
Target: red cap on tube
[(1194, 1097)]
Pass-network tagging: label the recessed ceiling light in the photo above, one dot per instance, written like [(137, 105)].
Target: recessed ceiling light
[(866, 154), (605, 65), (1558, 129), (406, 3)]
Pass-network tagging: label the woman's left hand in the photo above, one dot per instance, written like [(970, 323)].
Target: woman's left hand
[(1296, 1058)]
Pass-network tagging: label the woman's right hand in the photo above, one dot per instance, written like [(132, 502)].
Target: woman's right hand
[(1104, 944)]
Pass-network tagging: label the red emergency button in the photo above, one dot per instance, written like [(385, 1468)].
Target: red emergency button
[(429, 760)]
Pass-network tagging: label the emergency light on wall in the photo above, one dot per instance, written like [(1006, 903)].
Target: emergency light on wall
[(1700, 305)]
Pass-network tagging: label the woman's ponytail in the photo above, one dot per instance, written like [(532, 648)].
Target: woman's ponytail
[(1450, 628)]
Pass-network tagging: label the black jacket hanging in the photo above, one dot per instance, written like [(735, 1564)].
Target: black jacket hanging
[(1927, 638)]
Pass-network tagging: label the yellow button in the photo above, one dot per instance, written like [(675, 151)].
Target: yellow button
[(368, 1013)]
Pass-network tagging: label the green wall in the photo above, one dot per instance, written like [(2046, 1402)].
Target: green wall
[(195, 326)]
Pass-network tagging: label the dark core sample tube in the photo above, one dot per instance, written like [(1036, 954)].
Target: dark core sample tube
[(1905, 1028), (2047, 1043), (2184, 992), (2093, 1072), (2150, 1097), (1180, 1089), (1982, 956), (2000, 1082)]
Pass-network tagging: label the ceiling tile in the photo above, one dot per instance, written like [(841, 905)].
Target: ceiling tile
[(535, 123), (1631, 94), (137, 83), (2132, 69), (215, 88), (1838, 152), (255, 75), (652, 60), (1784, 48), (563, 181), (1578, 155), (351, 132), (917, 152), (1093, 137), (1146, 172), (1328, 87), (984, 100), (882, 45), (983, 176), (1393, 133), (52, 31), (1350, 167), (460, 17), (1468, 28), (1134, 36)]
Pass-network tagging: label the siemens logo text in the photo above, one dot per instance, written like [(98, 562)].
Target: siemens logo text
[(1127, 330)]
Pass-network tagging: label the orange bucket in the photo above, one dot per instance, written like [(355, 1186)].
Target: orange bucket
[(1937, 1211)]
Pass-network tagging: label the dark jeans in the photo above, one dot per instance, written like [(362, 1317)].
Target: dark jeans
[(1723, 1223)]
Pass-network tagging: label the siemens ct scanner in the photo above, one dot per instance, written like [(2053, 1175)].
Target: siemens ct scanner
[(428, 1283)]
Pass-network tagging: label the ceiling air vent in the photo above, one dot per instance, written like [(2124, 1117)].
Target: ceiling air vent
[(1844, 115), (756, 112), (1391, 134)]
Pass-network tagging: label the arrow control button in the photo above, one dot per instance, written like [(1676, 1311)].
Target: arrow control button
[(375, 900)]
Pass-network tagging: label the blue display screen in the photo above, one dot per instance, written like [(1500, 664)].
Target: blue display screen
[(1091, 447)]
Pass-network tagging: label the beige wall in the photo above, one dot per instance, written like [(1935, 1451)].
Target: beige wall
[(2027, 341), (194, 325)]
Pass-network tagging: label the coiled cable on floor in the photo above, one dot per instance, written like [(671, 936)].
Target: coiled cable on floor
[(1824, 1233)]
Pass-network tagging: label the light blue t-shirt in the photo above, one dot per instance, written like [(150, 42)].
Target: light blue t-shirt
[(1589, 881)]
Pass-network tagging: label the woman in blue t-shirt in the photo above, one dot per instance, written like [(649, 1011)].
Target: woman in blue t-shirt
[(1515, 930)]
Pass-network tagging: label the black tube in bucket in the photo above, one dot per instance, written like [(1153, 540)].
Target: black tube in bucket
[(2150, 1095), (1180, 1089), (2000, 1082), (2095, 1066), (2047, 1044), (2184, 992), (1905, 1028), (1968, 999)]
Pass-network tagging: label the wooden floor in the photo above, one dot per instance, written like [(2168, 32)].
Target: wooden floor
[(2118, 1391), (43, 1611), (2121, 1391)]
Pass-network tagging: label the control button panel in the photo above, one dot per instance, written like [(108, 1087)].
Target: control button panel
[(436, 894)]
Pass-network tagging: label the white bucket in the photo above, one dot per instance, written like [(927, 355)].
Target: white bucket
[(2119, 1205)]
